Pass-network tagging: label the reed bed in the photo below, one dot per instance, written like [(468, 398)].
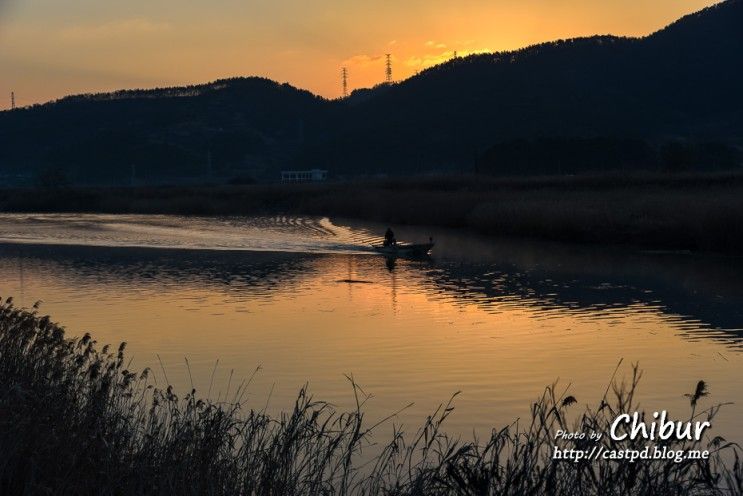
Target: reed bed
[(75, 420)]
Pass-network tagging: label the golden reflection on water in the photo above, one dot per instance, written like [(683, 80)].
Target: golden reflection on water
[(415, 332)]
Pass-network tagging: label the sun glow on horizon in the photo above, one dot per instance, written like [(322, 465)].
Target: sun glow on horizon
[(48, 50)]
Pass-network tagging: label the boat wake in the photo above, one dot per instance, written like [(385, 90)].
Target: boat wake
[(270, 233)]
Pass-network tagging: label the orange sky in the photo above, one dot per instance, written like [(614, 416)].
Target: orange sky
[(50, 48)]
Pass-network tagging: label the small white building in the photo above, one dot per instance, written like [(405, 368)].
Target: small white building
[(305, 176)]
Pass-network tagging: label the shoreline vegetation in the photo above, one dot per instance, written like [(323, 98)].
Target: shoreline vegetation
[(75, 420), (696, 212)]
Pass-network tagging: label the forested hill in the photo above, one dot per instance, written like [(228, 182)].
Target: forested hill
[(211, 129), (679, 83), (585, 98)]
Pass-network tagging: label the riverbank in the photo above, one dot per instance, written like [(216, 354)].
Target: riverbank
[(75, 420), (659, 211)]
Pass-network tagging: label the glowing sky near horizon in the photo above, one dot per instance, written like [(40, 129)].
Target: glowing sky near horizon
[(49, 48)]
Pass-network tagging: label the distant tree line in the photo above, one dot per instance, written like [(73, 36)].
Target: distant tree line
[(548, 156)]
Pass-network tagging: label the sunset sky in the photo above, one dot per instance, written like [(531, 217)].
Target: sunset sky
[(51, 48)]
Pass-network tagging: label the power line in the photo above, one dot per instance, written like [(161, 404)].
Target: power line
[(388, 68), (344, 78)]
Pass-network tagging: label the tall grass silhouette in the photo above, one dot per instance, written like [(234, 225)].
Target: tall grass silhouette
[(75, 420)]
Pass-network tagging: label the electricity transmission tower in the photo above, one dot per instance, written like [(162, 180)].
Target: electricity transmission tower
[(388, 68)]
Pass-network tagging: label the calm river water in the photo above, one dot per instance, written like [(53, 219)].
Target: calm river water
[(307, 301)]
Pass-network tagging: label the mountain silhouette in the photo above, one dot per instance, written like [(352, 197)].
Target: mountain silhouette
[(584, 104)]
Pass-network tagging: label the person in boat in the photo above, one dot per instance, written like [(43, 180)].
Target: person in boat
[(389, 238)]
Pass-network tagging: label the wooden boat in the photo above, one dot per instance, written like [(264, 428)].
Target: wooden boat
[(405, 249)]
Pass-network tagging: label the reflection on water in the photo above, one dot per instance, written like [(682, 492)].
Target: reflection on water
[(497, 321)]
